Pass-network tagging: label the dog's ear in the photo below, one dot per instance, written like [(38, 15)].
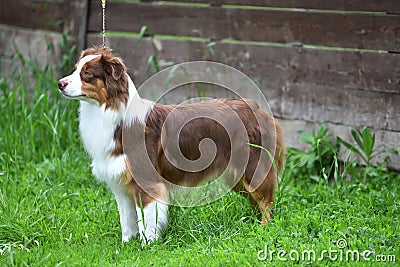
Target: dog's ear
[(114, 66), (116, 80)]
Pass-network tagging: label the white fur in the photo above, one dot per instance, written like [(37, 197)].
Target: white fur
[(97, 126), (98, 139), (140, 108), (74, 86), (152, 220), (127, 212)]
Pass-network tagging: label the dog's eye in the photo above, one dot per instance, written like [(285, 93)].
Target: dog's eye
[(87, 73)]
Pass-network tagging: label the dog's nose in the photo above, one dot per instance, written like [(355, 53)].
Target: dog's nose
[(62, 84)]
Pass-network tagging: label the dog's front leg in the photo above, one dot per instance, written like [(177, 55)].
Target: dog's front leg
[(127, 212)]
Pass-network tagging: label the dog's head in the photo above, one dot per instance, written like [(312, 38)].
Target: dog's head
[(99, 78)]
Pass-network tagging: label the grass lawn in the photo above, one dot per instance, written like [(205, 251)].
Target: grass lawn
[(54, 213)]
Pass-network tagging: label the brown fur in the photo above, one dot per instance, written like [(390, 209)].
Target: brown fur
[(104, 78), (257, 123), (148, 171)]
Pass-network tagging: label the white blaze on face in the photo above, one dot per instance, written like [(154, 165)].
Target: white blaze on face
[(74, 87)]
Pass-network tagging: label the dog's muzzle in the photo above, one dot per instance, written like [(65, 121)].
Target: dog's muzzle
[(62, 84)]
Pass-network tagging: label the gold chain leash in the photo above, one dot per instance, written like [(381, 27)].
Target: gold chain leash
[(103, 6)]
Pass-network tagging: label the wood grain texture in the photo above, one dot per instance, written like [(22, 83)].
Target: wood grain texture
[(390, 6), (33, 14), (53, 15), (335, 105), (340, 69), (293, 95), (378, 32), (77, 23), (371, 72)]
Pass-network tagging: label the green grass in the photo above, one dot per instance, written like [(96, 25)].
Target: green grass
[(54, 213)]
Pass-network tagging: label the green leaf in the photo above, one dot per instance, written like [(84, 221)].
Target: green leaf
[(356, 136), (390, 150), (315, 178), (329, 146), (368, 142), (351, 148), (306, 137), (144, 31), (152, 61), (386, 150), (322, 131), (210, 48)]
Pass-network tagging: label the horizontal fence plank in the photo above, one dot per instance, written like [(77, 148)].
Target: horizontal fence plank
[(135, 56), (326, 104), (287, 65), (47, 15), (33, 14), (363, 31), (302, 96), (329, 68), (390, 6)]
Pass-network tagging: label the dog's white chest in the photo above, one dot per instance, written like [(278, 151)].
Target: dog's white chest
[(97, 127)]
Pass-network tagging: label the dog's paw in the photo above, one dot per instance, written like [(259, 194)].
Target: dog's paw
[(147, 237), (129, 237), (126, 239)]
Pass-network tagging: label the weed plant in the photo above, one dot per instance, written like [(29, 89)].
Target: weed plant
[(319, 159), (54, 213)]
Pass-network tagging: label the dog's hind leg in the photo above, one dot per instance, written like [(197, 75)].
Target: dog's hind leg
[(152, 212), (263, 196)]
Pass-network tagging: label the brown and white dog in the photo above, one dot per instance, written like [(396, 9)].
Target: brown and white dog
[(105, 91)]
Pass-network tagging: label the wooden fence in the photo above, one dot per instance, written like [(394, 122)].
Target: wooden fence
[(317, 61)]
